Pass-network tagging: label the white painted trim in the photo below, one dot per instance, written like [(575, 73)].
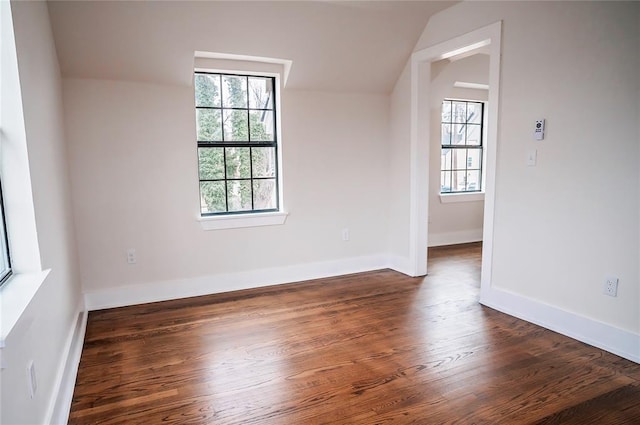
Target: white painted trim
[(418, 171), (419, 168), (454, 238), (242, 220), (468, 85), (234, 221), (464, 50), (286, 63), (615, 340), (448, 198), (491, 153), (15, 296), (183, 288), (60, 402), (399, 264)]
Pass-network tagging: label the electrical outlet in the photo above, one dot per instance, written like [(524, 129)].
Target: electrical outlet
[(32, 383), (611, 287), (131, 256), (345, 234)]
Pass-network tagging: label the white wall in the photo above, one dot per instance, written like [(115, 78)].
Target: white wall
[(457, 222), (133, 163), (43, 332), (563, 226)]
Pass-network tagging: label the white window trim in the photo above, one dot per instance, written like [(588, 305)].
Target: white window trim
[(27, 277), (259, 66), (447, 198), (15, 296), (236, 221)]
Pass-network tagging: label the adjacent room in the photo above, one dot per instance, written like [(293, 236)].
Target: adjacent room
[(298, 212)]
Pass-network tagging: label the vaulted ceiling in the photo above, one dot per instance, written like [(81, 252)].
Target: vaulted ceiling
[(357, 46)]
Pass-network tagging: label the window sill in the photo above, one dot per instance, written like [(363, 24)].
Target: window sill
[(447, 198), (243, 220), (15, 296)]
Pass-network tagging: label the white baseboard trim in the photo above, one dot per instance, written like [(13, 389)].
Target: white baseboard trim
[(609, 338), (399, 264), (119, 296), (623, 343), (454, 238), (60, 404)]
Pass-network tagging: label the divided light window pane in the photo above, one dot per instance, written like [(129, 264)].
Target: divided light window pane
[(261, 126), (474, 113), (239, 195), (459, 134), (264, 194), (260, 93), (235, 125), (263, 162), (474, 134), (446, 134), (207, 90), (213, 197), (234, 91), (209, 125), (211, 163), (238, 163)]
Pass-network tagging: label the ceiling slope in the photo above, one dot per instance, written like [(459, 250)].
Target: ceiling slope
[(358, 46)]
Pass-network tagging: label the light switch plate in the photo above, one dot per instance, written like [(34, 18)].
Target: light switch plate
[(532, 157)]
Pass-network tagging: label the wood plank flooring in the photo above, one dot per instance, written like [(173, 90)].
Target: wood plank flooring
[(371, 348)]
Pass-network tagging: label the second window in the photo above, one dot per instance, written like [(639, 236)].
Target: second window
[(461, 146)]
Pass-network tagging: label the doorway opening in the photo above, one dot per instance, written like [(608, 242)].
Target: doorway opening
[(487, 39)]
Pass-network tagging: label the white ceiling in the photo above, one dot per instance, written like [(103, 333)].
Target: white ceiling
[(358, 46)]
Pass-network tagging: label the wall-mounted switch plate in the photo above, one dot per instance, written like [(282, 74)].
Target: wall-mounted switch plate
[(532, 157)]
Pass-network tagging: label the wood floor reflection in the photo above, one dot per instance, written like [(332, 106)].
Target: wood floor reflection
[(370, 348)]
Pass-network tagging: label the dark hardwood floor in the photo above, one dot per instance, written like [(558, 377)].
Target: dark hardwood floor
[(371, 348)]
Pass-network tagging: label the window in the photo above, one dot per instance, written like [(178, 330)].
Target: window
[(462, 146), (237, 143), (5, 259)]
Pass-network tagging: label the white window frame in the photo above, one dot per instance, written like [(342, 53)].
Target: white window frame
[(456, 197), (253, 66), (27, 274)]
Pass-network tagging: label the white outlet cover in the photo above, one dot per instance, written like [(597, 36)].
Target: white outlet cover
[(131, 256), (611, 287)]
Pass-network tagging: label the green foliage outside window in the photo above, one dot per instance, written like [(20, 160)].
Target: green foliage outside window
[(237, 147)]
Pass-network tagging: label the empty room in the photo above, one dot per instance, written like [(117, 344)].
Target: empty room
[(320, 212)]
